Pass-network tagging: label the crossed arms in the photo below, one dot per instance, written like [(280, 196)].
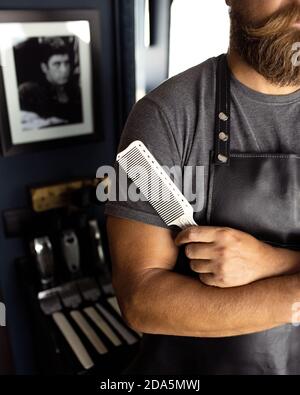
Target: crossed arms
[(244, 285)]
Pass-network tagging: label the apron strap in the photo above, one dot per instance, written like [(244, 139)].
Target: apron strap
[(222, 122)]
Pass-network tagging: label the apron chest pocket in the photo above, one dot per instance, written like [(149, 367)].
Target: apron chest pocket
[(258, 194)]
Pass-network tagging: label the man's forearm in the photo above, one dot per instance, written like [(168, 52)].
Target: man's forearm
[(168, 303), (285, 261)]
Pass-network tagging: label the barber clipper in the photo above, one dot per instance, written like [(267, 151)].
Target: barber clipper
[(42, 250), (72, 300), (51, 305), (100, 261), (71, 252)]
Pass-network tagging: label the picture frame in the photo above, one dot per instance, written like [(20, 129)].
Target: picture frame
[(49, 79)]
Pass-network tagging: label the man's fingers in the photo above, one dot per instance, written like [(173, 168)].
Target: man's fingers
[(205, 234), (199, 250), (201, 266), (208, 279)]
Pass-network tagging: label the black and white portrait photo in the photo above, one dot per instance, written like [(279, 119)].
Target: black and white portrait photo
[(48, 76), (47, 80)]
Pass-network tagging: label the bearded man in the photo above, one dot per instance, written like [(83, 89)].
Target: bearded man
[(221, 297)]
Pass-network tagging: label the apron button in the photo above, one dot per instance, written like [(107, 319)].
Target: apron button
[(223, 136), (222, 158), (223, 116)]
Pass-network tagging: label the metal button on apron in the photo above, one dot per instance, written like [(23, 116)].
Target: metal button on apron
[(223, 136), (223, 116), (222, 158)]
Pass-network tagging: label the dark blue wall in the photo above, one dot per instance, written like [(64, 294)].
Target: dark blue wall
[(18, 171)]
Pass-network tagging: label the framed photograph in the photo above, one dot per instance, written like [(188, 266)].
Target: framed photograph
[(49, 78)]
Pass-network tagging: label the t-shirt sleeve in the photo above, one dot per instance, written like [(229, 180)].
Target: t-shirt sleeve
[(148, 123)]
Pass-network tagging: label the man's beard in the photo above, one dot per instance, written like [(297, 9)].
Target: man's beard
[(270, 45)]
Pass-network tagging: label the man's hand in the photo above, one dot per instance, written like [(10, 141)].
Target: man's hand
[(226, 257)]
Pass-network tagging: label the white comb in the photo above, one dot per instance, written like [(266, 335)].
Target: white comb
[(156, 185)]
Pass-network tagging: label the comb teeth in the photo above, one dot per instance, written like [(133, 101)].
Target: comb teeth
[(154, 183)]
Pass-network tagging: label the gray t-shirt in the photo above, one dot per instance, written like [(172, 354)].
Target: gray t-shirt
[(176, 123)]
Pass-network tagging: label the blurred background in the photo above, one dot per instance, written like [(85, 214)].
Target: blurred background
[(54, 259)]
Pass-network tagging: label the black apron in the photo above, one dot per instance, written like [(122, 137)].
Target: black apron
[(256, 193)]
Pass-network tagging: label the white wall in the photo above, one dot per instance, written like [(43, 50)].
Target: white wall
[(199, 30)]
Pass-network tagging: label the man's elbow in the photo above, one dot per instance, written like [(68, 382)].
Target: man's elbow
[(130, 306)]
